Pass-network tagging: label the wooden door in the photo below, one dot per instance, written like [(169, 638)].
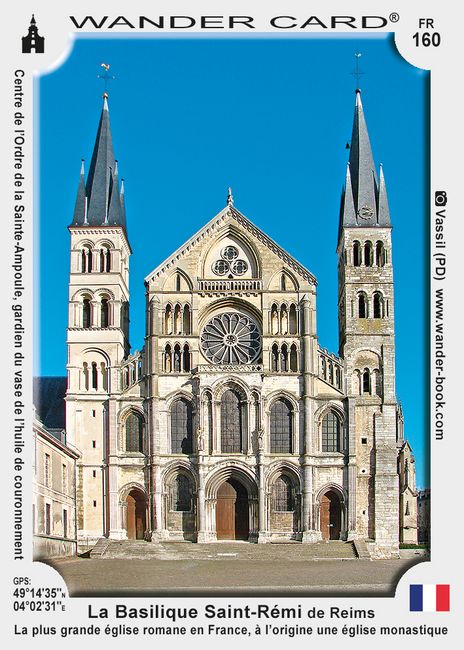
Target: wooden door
[(225, 511), (325, 517), (131, 527)]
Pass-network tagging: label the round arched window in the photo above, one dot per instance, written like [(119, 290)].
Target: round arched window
[(231, 338)]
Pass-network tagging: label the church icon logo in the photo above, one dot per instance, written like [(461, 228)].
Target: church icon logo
[(33, 42)]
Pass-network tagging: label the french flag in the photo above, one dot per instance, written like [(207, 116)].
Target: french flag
[(429, 598)]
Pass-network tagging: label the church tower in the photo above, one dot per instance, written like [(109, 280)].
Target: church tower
[(367, 345), (98, 328)]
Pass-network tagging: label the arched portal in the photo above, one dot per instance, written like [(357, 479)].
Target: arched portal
[(136, 514), (330, 515), (232, 511)]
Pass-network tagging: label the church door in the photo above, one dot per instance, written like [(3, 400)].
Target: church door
[(136, 515), (232, 511), (330, 516)]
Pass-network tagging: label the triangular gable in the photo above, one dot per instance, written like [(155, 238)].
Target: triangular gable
[(230, 212)]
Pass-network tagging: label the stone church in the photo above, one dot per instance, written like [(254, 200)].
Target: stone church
[(232, 422)]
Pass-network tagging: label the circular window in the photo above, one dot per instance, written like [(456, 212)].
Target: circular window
[(229, 253), (239, 267), (220, 267), (231, 338)]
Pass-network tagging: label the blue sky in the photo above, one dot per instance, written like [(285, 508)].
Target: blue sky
[(270, 117)]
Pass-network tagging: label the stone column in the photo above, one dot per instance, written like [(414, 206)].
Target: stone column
[(309, 532), (263, 534)]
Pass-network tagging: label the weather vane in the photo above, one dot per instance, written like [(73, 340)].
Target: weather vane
[(106, 76), (357, 72)]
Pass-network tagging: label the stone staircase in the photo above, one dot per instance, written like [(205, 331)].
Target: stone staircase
[(183, 550)]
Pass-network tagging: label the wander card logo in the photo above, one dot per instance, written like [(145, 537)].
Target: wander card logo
[(429, 598)]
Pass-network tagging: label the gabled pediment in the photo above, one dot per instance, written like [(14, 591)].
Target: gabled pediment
[(233, 217)]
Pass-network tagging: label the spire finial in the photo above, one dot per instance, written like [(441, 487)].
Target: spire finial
[(106, 76), (230, 198), (82, 167), (357, 72)]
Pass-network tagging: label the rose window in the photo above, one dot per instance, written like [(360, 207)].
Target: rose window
[(231, 338), (229, 262)]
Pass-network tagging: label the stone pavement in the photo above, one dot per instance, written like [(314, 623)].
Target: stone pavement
[(228, 569)]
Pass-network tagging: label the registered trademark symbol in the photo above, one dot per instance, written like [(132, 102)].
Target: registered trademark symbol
[(394, 17)]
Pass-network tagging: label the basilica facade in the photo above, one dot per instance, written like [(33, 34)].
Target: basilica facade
[(233, 422)]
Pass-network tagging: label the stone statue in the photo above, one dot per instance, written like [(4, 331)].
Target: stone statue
[(200, 439), (261, 439)]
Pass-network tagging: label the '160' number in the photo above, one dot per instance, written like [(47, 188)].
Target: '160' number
[(426, 39)]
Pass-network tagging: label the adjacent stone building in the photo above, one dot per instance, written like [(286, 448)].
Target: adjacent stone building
[(233, 422), (54, 474)]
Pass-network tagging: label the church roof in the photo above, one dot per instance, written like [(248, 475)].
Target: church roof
[(364, 199), (230, 214), (99, 201), (48, 398)]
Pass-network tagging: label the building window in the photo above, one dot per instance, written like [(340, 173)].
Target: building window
[(181, 427), (330, 433), (293, 358), (64, 478), (378, 305), (231, 422), (94, 376), (362, 306), (134, 432), (105, 312), (275, 358), (366, 382), (181, 494), (368, 253), (356, 253), (379, 254), (65, 523), (48, 527), (86, 257), (186, 358), (293, 319), (281, 427), (406, 510), (282, 495), (47, 470), (86, 313), (284, 358)]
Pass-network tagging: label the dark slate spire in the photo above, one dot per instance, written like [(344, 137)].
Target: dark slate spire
[(365, 201), (79, 208), (101, 205)]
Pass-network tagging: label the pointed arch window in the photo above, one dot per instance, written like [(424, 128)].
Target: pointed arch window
[(293, 320), (282, 495), (177, 281), (186, 320), (168, 320), (134, 432), (281, 427), (167, 358), (274, 320), (177, 319), (284, 358), (177, 358), (181, 427), (86, 313), (293, 358), (356, 253), (231, 422), (181, 494), (330, 433), (284, 320), (283, 282), (186, 358), (275, 358)]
